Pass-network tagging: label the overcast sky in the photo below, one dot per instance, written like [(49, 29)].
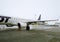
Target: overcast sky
[(49, 9)]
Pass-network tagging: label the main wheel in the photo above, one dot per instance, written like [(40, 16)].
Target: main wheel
[(27, 28), (19, 26)]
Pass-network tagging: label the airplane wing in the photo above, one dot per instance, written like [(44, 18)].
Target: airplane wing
[(41, 21)]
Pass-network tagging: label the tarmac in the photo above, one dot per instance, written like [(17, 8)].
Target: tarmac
[(50, 35)]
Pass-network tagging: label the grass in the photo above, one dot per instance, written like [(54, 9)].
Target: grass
[(29, 36)]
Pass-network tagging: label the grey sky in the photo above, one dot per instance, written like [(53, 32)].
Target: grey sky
[(49, 9)]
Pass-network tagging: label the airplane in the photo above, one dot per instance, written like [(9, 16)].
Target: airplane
[(9, 22)]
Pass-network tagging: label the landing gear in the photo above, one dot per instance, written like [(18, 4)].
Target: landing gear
[(27, 27), (19, 26)]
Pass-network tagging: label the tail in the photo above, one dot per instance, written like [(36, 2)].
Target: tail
[(39, 18)]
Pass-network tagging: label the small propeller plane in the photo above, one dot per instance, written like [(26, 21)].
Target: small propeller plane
[(9, 22)]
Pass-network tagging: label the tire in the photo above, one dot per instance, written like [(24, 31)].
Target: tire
[(27, 28), (19, 26)]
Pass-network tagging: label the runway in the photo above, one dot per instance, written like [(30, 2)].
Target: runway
[(29, 36)]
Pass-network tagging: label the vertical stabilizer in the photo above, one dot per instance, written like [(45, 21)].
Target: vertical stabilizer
[(39, 18)]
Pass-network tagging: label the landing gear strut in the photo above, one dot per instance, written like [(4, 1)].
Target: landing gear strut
[(27, 27), (19, 26)]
